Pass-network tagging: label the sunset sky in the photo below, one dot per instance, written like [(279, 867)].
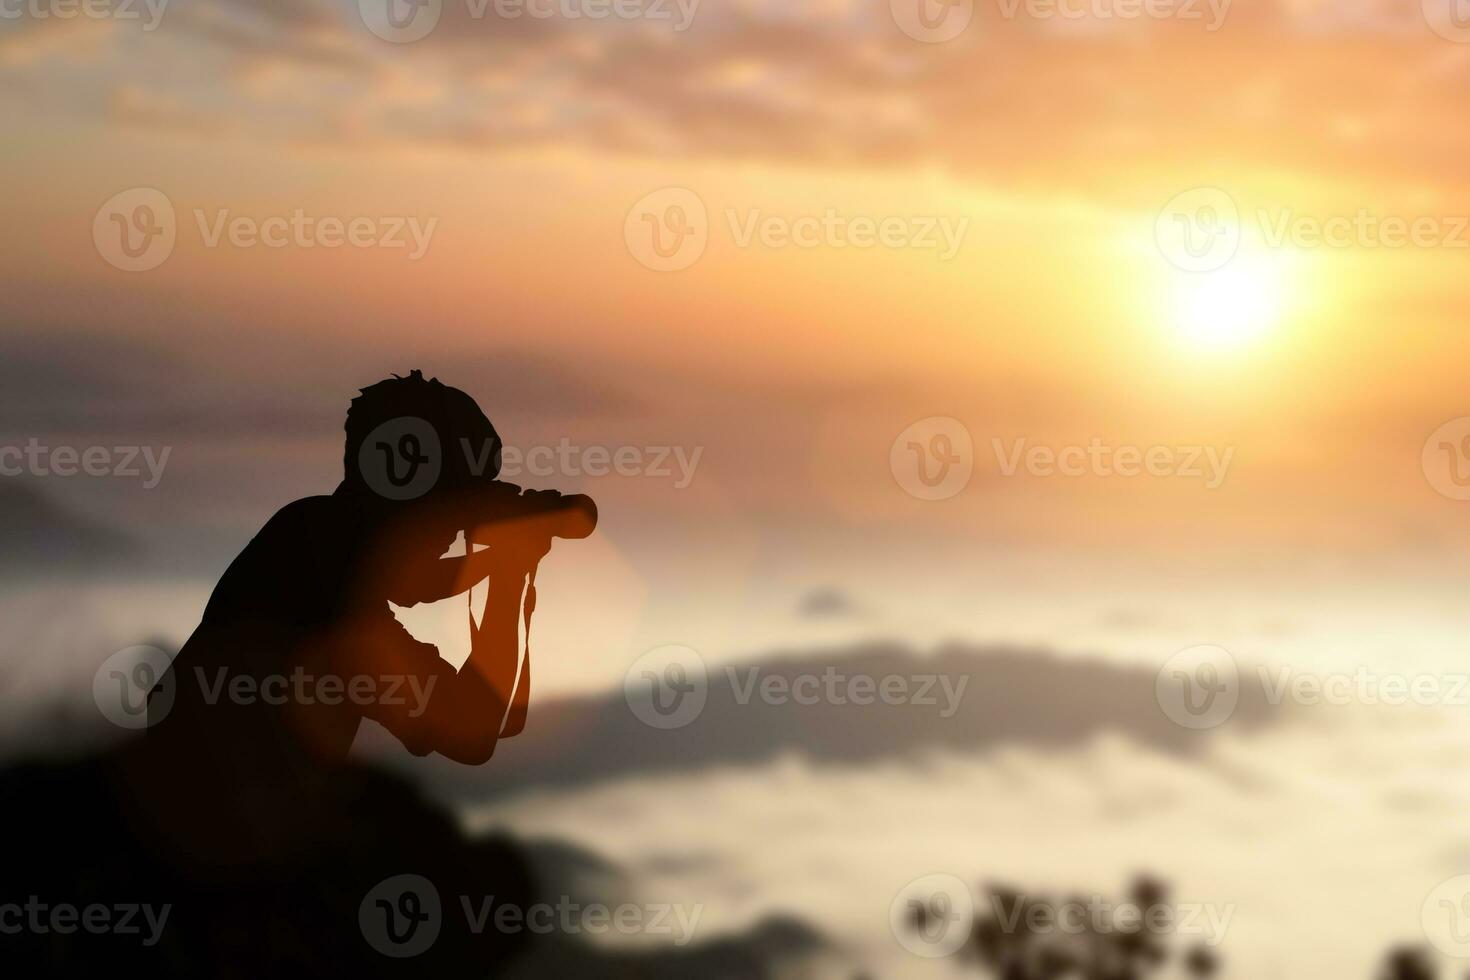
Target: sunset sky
[(1056, 145), (790, 256)]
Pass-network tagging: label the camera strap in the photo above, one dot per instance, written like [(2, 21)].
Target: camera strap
[(520, 704)]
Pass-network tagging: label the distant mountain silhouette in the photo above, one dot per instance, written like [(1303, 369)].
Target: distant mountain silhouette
[(1013, 697), (828, 603), (42, 536), (775, 946), (564, 868)]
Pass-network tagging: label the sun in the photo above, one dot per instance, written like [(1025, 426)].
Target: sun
[(1228, 308)]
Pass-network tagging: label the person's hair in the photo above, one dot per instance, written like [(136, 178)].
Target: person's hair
[(467, 440)]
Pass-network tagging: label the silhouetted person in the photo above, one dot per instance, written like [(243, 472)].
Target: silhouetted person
[(298, 643), (238, 812)]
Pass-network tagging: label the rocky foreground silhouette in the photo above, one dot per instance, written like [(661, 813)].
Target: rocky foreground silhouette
[(74, 843)]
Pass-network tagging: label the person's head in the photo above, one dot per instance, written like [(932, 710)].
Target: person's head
[(417, 445)]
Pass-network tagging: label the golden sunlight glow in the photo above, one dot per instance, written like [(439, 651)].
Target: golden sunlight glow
[(1229, 307)]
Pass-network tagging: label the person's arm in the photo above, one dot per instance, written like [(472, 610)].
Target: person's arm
[(442, 578), (459, 714), (512, 535)]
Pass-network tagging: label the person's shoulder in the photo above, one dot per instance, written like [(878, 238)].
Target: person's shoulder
[(281, 557), (321, 505), (309, 515)]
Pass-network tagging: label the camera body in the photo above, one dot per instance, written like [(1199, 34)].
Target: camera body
[(503, 509)]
